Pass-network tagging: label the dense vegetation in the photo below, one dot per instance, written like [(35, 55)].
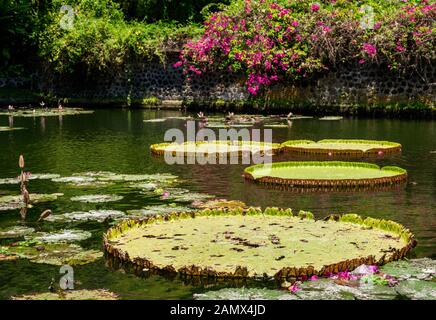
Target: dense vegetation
[(97, 34), (268, 40), (275, 40)]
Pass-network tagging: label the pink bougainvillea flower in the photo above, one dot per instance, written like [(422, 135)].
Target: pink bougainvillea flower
[(362, 61), (314, 278), (315, 7), (178, 64), (370, 49), (166, 194)]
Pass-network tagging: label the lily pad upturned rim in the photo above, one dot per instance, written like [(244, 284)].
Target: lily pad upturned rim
[(387, 147), (159, 149), (399, 178), (242, 271)]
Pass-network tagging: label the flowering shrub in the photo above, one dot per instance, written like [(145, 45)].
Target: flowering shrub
[(271, 40)]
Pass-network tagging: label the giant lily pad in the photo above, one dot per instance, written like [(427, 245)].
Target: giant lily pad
[(215, 147), (253, 243), (97, 198), (99, 294), (342, 147), (60, 236), (81, 216), (16, 201), (44, 112), (15, 232), (325, 174), (52, 253)]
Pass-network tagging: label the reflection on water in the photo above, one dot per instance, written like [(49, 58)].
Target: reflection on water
[(119, 140)]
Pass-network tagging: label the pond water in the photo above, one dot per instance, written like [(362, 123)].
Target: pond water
[(118, 141)]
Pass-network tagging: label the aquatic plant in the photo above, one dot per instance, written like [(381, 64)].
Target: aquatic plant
[(328, 174), (97, 198), (215, 147), (270, 243), (343, 147), (51, 253)]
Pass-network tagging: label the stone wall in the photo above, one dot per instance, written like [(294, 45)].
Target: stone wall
[(346, 87)]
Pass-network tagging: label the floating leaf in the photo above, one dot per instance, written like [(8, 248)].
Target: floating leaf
[(33, 176), (60, 236), (97, 198), (417, 289), (93, 215), (160, 209), (252, 243), (16, 201), (53, 253), (182, 195), (421, 269), (15, 232)]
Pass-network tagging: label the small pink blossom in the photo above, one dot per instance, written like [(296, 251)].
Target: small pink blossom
[(315, 7)]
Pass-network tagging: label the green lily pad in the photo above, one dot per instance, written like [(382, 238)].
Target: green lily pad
[(342, 147), (253, 243), (16, 201), (15, 232), (45, 112), (52, 253), (244, 294), (325, 174), (418, 269), (4, 129), (215, 147), (99, 294), (81, 216), (97, 198), (153, 210), (62, 236)]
